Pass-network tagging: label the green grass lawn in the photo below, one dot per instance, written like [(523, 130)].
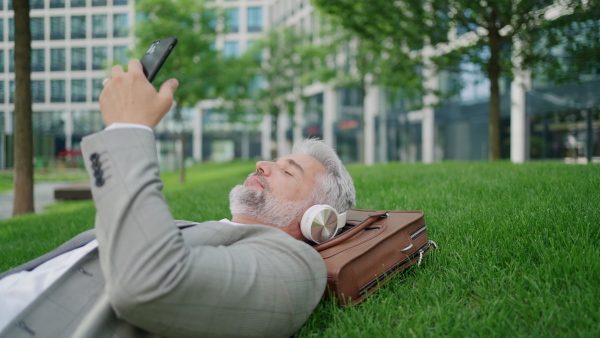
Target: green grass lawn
[(6, 176), (519, 246)]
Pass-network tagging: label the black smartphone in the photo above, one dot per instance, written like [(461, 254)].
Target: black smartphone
[(156, 55)]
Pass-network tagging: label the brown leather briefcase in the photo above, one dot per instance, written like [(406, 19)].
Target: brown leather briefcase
[(374, 246)]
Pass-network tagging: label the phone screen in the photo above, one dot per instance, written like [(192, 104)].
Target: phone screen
[(156, 55)]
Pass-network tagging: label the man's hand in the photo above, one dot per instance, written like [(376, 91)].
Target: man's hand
[(128, 97)]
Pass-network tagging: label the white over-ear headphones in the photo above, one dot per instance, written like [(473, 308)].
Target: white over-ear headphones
[(321, 223)]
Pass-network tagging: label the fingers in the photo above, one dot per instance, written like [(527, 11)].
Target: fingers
[(135, 65), (168, 87), (166, 91), (116, 70)]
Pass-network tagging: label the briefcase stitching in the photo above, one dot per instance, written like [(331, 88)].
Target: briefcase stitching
[(370, 236)]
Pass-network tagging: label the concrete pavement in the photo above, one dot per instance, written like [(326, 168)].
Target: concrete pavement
[(43, 197)]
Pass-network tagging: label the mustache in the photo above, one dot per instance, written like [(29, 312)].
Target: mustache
[(261, 178)]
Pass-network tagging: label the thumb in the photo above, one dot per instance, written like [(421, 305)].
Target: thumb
[(168, 87)]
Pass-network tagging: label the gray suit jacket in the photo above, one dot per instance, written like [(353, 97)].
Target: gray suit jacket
[(154, 277)]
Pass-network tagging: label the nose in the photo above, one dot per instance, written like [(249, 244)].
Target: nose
[(263, 167)]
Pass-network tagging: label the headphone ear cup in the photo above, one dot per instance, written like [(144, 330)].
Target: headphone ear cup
[(319, 223)]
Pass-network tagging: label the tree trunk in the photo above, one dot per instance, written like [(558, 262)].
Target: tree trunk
[(23, 170), (493, 68)]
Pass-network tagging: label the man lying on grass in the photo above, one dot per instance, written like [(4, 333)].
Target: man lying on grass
[(149, 275)]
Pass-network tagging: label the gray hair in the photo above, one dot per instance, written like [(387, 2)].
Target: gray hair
[(336, 188)]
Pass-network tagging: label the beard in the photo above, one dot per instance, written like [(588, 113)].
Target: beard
[(265, 207)]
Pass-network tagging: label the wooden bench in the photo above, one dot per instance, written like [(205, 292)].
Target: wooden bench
[(75, 191)]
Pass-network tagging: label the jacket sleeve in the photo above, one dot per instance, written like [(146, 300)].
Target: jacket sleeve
[(213, 279)]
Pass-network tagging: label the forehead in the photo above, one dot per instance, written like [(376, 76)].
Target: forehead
[(302, 162)]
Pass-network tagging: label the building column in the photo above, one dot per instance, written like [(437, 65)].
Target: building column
[(371, 109), (68, 116), (265, 139), (8, 122), (283, 124), (245, 144), (430, 99), (383, 130), (299, 107), (329, 115), (518, 115), (197, 134)]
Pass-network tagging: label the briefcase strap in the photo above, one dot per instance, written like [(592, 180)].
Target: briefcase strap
[(352, 232)]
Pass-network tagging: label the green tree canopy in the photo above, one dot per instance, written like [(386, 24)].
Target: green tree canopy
[(408, 25), (195, 61)]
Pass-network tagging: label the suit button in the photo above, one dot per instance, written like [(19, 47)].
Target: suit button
[(100, 182), (96, 165), (94, 157), (98, 173)]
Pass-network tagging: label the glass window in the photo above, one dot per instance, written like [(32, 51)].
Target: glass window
[(78, 58), (11, 61), (57, 28), (2, 98), (258, 56), (38, 91), (48, 122), (120, 54), (78, 27), (57, 91), (57, 59), (209, 16), (99, 55), (120, 25), (232, 20), (98, 2), (11, 92), (99, 28), (119, 2), (11, 29), (38, 60), (1, 60), (96, 89), (78, 90), (231, 49), (37, 28), (254, 19), (256, 84), (1, 29), (77, 3), (36, 4), (57, 3), (87, 121)]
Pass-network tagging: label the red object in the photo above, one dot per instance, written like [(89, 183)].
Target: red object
[(65, 153)]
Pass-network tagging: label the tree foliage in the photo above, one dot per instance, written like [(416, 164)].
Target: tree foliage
[(408, 25), (281, 64), (195, 62)]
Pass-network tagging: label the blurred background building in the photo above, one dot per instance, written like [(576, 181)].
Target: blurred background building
[(74, 43)]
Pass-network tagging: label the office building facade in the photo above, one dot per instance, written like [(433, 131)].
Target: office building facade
[(74, 43)]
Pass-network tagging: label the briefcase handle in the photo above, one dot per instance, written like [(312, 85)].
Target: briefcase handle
[(351, 233)]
